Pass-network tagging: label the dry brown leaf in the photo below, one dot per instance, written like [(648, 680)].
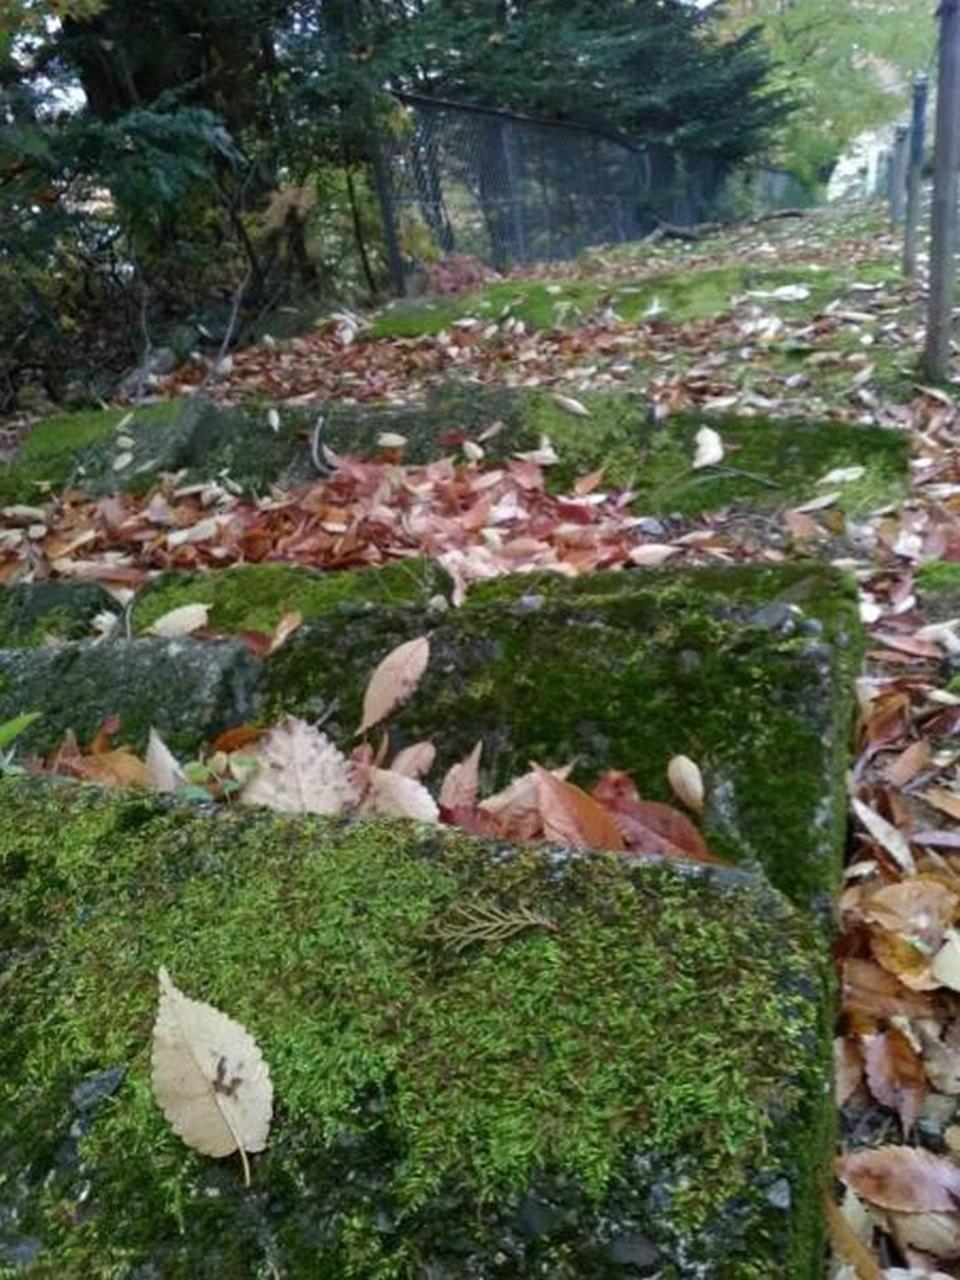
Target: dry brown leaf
[(391, 795), (209, 1077), (588, 483), (869, 990), (414, 761), (181, 622), (919, 909), (394, 681), (284, 629), (902, 957), (911, 761), (163, 770), (516, 809), (118, 768), (946, 801), (572, 817), (300, 771), (934, 1233), (686, 782), (462, 783), (847, 1243), (904, 1179), (886, 835), (847, 1068), (941, 1061), (895, 1075)]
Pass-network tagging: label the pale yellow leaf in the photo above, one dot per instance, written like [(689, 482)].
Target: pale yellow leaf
[(686, 782), (180, 622), (394, 681), (300, 771), (569, 405), (209, 1077), (285, 628), (391, 795), (886, 835), (414, 761), (945, 966), (163, 771), (460, 786), (709, 449)]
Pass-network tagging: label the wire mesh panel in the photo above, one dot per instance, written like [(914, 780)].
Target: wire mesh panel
[(509, 189)]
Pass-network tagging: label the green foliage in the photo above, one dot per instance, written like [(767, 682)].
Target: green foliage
[(844, 64), (10, 730)]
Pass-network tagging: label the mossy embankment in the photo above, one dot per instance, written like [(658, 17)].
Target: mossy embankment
[(768, 464), (644, 1080)]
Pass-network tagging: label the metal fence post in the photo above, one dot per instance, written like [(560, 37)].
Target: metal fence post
[(898, 174), (944, 222), (918, 126)]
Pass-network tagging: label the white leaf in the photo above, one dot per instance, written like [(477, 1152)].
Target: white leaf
[(122, 460), (391, 795), (163, 771), (391, 440), (569, 405), (886, 835), (209, 1077), (414, 761), (273, 420), (460, 786), (687, 782), (545, 455), (300, 771), (843, 475), (181, 622), (819, 504), (394, 681), (709, 448), (946, 963), (652, 554)]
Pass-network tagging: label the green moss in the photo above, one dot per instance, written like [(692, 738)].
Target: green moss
[(60, 450), (654, 1063), (939, 585), (737, 669), (40, 612), (674, 297), (256, 596)]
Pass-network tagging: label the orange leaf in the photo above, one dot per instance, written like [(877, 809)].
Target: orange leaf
[(848, 1243), (237, 738), (119, 768), (460, 786), (905, 1179), (572, 817), (586, 484), (868, 989), (911, 761), (647, 826)]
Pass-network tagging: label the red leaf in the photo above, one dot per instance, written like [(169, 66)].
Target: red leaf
[(645, 825), (572, 817)]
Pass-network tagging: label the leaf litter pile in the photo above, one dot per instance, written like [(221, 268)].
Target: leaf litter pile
[(897, 1051)]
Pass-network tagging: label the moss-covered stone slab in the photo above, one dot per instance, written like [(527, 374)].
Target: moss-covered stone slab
[(35, 613), (255, 597), (769, 463), (188, 690), (636, 1088), (749, 672)]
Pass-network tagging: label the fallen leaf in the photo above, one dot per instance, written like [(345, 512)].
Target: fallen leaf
[(284, 629), (516, 809), (299, 771), (569, 405), (911, 761), (895, 1075), (209, 1077), (414, 761), (843, 475), (847, 1069), (119, 768), (686, 782), (391, 795), (934, 1233), (180, 622), (848, 1243), (646, 825), (163, 770), (572, 817), (394, 681), (886, 835), (462, 782), (869, 990), (905, 1179), (947, 802), (709, 448), (652, 554), (946, 963), (588, 483)]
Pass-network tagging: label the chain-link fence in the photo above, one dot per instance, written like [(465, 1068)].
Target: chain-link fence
[(509, 189)]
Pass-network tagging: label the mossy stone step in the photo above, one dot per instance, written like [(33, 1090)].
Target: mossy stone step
[(769, 464), (640, 1089), (748, 671), (36, 613)]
